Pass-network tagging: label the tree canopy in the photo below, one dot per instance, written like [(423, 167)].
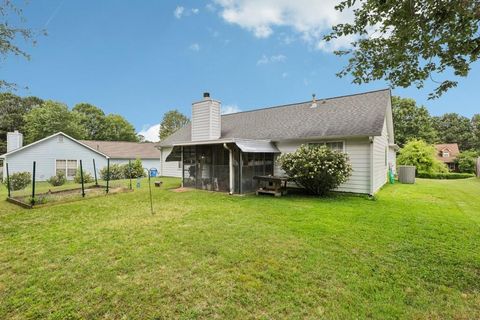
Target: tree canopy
[(117, 128), (409, 42), (92, 119), (49, 118), (420, 154), (411, 122), (12, 32), (12, 111), (454, 128), (171, 122)]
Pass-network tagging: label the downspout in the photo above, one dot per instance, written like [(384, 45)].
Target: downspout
[(230, 171), (371, 139)]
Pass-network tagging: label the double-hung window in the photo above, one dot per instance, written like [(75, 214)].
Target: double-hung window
[(67, 167)]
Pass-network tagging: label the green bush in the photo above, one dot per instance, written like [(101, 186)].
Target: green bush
[(87, 177), (20, 180), (133, 170), (420, 154), (58, 180), (467, 161), (116, 172), (447, 175), (318, 169)]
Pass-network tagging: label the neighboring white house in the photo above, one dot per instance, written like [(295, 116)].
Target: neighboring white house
[(224, 152), (62, 153)]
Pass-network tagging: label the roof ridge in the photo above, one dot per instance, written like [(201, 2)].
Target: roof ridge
[(145, 142), (307, 101)]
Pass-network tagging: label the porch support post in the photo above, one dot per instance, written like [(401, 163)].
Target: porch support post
[(230, 165), (181, 160)]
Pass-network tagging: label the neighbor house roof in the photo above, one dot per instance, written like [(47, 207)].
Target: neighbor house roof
[(124, 149), (451, 148), (346, 116)]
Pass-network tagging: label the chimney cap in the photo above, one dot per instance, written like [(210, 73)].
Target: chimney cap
[(206, 94)]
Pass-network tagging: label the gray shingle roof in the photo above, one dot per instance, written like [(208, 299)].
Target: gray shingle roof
[(354, 115), (124, 149)]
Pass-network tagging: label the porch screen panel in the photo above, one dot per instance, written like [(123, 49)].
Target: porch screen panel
[(220, 169), (189, 167)]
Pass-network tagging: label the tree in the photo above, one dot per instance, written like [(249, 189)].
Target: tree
[(476, 130), (119, 129), (318, 169), (51, 118), (92, 119), (420, 154), (171, 122), (12, 111), (454, 128), (10, 34), (411, 122), (408, 42), (467, 161)]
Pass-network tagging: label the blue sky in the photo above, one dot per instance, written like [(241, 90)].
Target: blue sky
[(143, 58)]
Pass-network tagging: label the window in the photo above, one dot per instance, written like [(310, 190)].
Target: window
[(446, 154), (333, 145), (61, 166), (67, 167)]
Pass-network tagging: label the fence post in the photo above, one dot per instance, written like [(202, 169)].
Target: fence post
[(95, 172), (8, 180), (130, 172), (33, 183), (150, 190), (108, 172), (81, 178)]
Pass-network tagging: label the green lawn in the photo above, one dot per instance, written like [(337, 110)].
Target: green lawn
[(413, 253)]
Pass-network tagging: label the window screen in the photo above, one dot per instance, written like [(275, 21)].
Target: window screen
[(71, 168), (61, 167), (337, 145)]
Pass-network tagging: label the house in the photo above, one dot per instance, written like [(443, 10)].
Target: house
[(447, 153), (224, 152), (62, 153)]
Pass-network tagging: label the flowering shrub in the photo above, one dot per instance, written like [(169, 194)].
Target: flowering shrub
[(19, 180), (57, 180), (316, 168)]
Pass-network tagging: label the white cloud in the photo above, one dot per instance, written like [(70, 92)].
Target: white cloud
[(271, 59), (194, 47), (232, 108), (210, 7), (179, 11), (151, 132), (310, 19)]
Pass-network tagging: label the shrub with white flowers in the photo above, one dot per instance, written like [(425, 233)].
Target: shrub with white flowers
[(318, 169)]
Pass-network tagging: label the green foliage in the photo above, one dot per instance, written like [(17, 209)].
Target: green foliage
[(408, 42), (316, 168), (58, 180), (116, 172), (476, 130), (420, 154), (444, 175), (51, 117), (133, 170), (119, 129), (454, 128), (12, 32), (20, 180), (92, 119), (12, 111), (467, 161), (87, 177), (411, 122), (171, 122)]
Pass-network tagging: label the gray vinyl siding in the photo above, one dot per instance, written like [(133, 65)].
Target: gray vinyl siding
[(392, 159), (358, 151), (169, 168), (46, 152), (206, 120), (380, 151)]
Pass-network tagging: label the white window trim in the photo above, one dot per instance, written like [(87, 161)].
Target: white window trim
[(329, 141), (66, 166)]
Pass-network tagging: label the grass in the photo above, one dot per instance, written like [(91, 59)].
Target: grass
[(412, 253)]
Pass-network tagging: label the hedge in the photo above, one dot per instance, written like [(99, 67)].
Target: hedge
[(448, 175)]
